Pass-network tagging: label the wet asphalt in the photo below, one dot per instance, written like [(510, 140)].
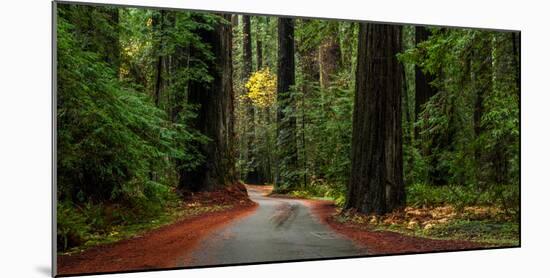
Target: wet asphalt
[(278, 230)]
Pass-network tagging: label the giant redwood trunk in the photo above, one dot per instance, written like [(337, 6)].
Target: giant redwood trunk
[(215, 115), (287, 154), (376, 180), (423, 90)]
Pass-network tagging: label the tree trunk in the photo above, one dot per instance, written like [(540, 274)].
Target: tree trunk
[(252, 175), (263, 155), (376, 180), (482, 84), (215, 115), (516, 52), (330, 57), (423, 90), (247, 48), (259, 48), (287, 160), (158, 25), (235, 20)]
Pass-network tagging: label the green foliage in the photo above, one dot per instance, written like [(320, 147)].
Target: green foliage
[(469, 131), (118, 153), (328, 133), (323, 125), (89, 224), (72, 229), (108, 135), (504, 196), (323, 118), (318, 189)]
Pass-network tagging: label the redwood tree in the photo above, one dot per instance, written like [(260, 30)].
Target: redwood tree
[(287, 161), (215, 114), (259, 48), (376, 180)]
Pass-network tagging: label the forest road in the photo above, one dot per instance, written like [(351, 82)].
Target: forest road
[(279, 230)]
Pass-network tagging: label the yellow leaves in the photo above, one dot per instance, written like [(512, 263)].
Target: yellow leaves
[(261, 86)]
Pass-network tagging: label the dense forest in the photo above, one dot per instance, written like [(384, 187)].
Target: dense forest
[(156, 104)]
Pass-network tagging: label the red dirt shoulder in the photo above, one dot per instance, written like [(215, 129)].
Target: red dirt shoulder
[(383, 242), (163, 247)]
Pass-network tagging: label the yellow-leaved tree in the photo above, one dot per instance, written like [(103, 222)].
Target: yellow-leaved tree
[(261, 87)]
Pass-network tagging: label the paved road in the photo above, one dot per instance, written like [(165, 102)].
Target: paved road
[(279, 230)]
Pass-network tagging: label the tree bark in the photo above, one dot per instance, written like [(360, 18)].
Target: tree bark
[(376, 180), (516, 52), (247, 48), (287, 160), (215, 115), (259, 48)]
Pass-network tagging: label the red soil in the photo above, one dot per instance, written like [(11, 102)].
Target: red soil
[(164, 247), (384, 242)]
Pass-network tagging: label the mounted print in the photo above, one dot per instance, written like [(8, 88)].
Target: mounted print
[(191, 139)]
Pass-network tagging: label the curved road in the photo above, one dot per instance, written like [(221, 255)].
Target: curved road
[(279, 230)]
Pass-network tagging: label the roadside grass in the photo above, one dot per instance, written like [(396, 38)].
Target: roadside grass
[(487, 232), (491, 232), (322, 191)]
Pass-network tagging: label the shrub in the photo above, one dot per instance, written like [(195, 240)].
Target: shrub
[(319, 189), (503, 196), (72, 229)]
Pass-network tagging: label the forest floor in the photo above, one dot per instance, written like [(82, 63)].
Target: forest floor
[(160, 248), (381, 241)]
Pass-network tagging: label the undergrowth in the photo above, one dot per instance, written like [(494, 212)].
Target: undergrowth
[(489, 216), (325, 191), (505, 197), (81, 227)]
